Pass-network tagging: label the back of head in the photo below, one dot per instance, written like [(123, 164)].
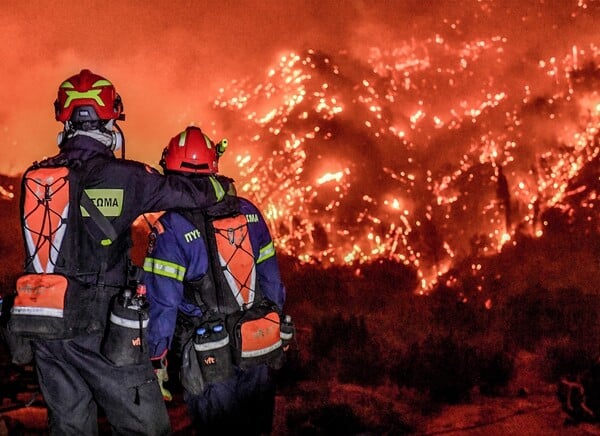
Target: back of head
[(191, 151), (87, 102)]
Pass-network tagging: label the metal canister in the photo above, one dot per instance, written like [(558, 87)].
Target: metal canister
[(125, 339)]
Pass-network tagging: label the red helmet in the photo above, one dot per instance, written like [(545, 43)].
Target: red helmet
[(93, 97), (191, 151)]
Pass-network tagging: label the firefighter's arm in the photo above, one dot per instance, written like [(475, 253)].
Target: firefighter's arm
[(267, 267), (269, 277), (170, 258), (163, 276), (164, 293), (179, 192)]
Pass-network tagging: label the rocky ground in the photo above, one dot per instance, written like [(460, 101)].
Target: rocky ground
[(535, 415)]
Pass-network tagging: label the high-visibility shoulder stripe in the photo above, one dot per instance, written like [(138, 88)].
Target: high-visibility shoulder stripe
[(266, 252), (219, 191), (164, 268)]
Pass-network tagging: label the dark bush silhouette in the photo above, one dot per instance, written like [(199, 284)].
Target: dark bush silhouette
[(388, 277), (495, 370), (11, 245), (293, 371), (441, 365), (346, 343), (321, 287), (327, 419), (451, 313), (568, 357), (538, 314), (531, 316)]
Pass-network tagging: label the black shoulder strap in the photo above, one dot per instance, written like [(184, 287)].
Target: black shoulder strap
[(212, 290), (100, 220), (203, 292)]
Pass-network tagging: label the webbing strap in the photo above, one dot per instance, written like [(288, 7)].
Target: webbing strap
[(101, 221)]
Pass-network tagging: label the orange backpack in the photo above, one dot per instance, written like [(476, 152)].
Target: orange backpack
[(231, 289), (45, 208), (50, 202), (39, 300)]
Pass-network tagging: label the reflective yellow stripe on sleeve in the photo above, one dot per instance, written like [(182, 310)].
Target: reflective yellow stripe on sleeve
[(266, 252), (164, 268)]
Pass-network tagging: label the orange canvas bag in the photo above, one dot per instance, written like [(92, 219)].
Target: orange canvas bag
[(38, 307)]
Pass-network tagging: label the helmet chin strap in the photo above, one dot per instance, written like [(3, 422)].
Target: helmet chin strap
[(110, 138), (120, 140)]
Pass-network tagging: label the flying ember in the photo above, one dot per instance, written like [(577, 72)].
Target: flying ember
[(423, 152)]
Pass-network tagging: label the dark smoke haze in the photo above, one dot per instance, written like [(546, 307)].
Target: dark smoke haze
[(165, 58), (168, 59)]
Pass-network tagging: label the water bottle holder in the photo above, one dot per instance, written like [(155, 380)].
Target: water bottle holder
[(214, 358)]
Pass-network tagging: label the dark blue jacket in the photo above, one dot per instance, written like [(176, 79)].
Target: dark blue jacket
[(173, 259)]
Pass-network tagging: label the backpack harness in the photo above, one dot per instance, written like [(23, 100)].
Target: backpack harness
[(50, 299), (229, 295)]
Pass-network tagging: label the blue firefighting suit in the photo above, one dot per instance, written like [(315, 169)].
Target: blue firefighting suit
[(75, 378), (244, 402)]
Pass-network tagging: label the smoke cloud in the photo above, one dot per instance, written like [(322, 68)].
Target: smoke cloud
[(168, 59)]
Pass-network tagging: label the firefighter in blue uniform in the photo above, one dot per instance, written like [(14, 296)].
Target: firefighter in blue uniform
[(177, 256), (75, 378)]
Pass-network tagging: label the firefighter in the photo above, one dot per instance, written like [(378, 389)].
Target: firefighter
[(92, 252), (178, 276)]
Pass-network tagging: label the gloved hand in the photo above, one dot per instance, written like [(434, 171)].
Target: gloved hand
[(160, 369)]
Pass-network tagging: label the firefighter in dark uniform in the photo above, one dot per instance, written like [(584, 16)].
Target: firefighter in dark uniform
[(75, 377), (178, 256)]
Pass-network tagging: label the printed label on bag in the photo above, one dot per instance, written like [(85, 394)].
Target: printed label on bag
[(40, 295)]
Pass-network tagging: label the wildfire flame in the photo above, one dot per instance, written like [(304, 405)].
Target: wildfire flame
[(423, 151), (407, 157)]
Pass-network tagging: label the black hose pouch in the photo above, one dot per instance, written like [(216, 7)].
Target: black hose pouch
[(124, 341), (211, 343)]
